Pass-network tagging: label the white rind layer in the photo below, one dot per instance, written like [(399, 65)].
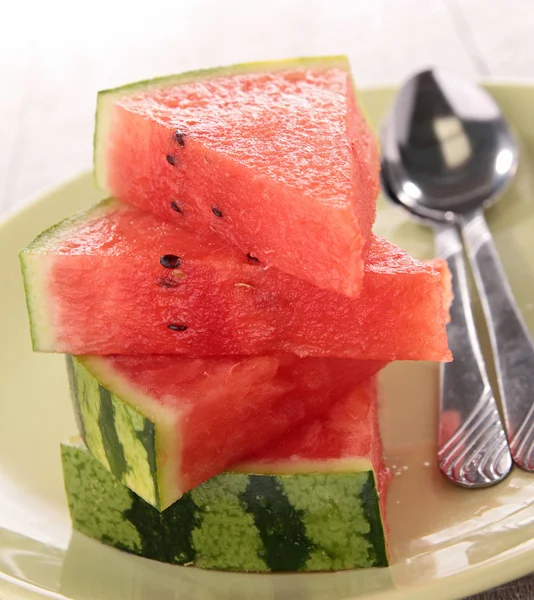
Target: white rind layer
[(296, 466), (42, 311)]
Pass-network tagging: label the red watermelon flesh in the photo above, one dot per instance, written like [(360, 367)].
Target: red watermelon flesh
[(276, 158), (117, 280), (340, 440), (195, 417)]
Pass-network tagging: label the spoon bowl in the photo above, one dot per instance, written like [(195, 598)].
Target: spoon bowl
[(446, 147)]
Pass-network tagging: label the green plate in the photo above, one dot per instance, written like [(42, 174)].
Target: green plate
[(445, 542)]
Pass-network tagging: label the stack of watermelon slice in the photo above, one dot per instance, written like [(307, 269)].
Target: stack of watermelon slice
[(225, 314)]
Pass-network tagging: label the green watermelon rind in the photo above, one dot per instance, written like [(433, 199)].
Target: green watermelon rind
[(33, 261), (106, 97), (235, 521), (124, 432)]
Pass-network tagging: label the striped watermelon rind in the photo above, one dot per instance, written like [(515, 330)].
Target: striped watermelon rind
[(122, 436), (235, 521)]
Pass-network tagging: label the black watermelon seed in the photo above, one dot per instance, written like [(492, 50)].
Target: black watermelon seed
[(175, 207), (175, 327), (216, 211), (170, 261), (252, 259), (171, 160), (179, 136)]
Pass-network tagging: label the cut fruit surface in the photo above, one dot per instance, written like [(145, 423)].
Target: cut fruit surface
[(276, 158), (117, 280), (164, 424), (311, 502)]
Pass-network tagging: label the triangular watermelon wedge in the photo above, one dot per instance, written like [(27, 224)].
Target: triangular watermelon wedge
[(276, 158), (118, 280)]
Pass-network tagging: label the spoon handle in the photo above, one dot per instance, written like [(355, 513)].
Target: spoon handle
[(513, 349), (473, 451)]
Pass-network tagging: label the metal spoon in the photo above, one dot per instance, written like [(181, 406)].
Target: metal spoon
[(447, 153), (472, 447)]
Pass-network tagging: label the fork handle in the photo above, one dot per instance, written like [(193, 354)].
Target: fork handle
[(473, 451), (513, 349)]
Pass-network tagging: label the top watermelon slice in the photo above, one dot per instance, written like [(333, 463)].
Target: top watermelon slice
[(275, 157)]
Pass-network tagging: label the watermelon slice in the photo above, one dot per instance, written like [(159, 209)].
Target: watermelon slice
[(275, 157), (312, 502), (118, 280), (164, 424)]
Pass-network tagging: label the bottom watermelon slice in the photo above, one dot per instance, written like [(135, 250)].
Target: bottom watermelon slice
[(314, 501), (164, 424)]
